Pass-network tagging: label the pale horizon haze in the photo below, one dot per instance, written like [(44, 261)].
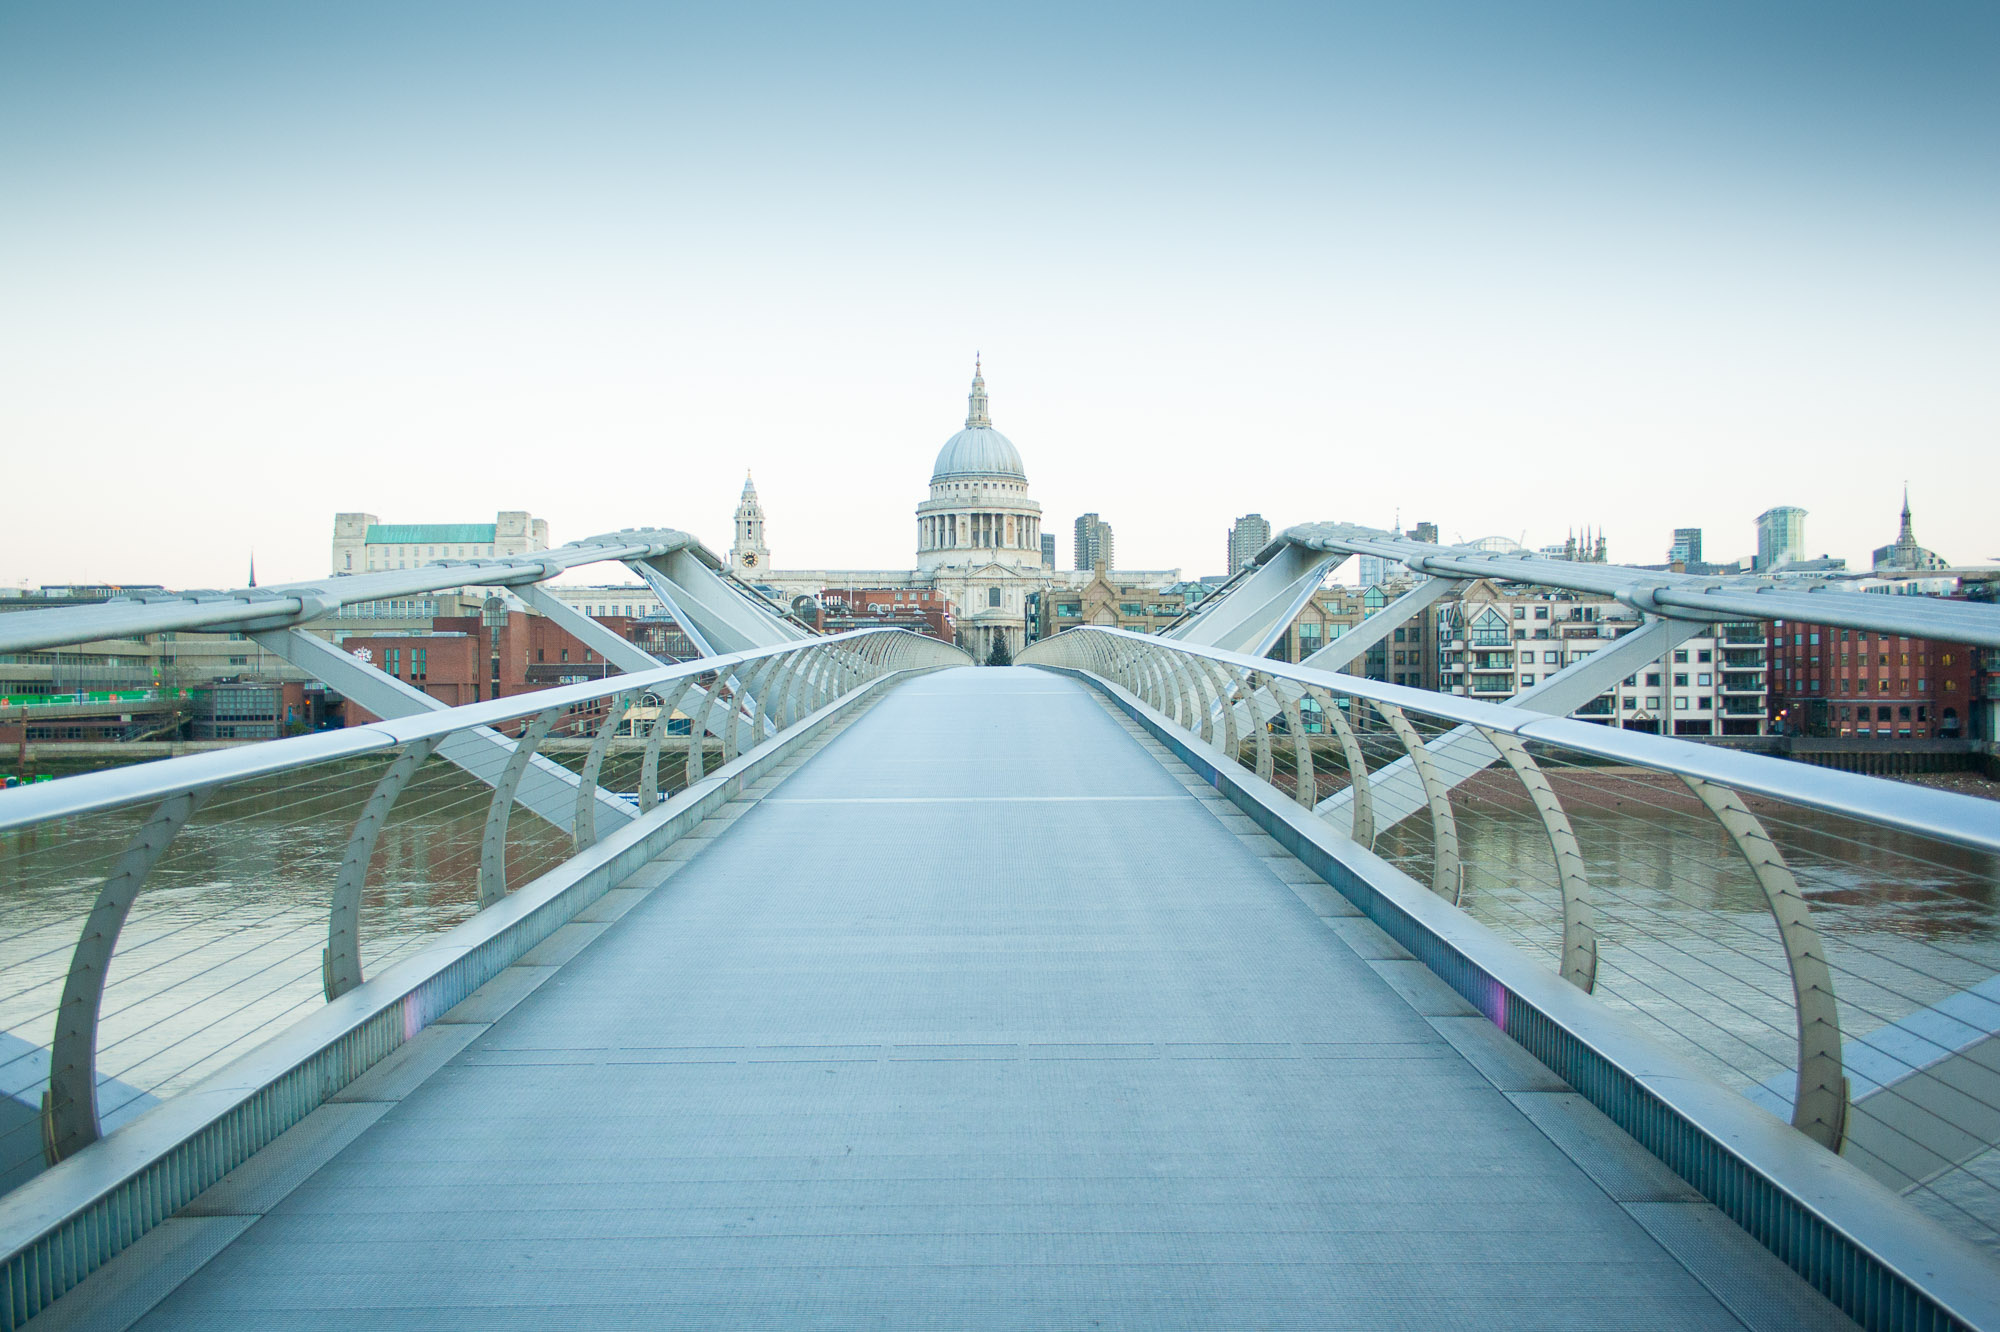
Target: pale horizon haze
[(1512, 269)]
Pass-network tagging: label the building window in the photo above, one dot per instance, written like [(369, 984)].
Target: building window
[(1681, 704), (993, 596), (1704, 679)]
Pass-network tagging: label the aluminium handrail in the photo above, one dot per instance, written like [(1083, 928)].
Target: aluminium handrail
[(1946, 816), (86, 793), (1676, 596), (296, 603)]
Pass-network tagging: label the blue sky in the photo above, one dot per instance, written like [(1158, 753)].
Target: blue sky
[(1511, 268)]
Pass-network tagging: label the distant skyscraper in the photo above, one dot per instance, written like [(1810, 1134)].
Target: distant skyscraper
[(1374, 570), (1249, 535), (1425, 532), (1687, 546), (1048, 550), (1781, 536), (1093, 542)]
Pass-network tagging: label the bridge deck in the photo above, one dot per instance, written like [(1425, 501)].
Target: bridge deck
[(981, 1018)]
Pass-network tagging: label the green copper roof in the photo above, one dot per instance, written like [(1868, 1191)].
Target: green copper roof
[(410, 534)]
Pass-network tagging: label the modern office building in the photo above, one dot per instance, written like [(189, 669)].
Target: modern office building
[(1781, 536)]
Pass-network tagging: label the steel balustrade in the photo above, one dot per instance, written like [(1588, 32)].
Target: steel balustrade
[(1579, 937), (1188, 684), (819, 672), (1445, 880), (341, 967)]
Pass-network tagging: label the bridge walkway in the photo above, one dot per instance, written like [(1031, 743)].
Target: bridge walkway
[(990, 1015)]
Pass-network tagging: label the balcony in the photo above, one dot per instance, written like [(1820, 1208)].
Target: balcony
[(1742, 707), (1752, 683)]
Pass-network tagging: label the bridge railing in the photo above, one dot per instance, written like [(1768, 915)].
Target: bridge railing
[(166, 917), (1825, 943)]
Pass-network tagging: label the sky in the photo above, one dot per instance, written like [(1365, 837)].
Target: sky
[(1514, 269)]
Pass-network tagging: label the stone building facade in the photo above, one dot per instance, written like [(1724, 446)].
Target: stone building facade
[(979, 545)]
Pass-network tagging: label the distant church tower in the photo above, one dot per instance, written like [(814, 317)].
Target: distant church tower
[(749, 557)]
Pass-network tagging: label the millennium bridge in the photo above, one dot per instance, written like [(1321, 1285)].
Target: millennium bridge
[(1150, 982)]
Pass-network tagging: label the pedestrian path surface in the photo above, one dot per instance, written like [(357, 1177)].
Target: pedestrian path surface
[(988, 1015)]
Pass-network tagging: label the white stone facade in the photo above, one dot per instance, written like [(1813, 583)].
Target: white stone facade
[(979, 542), (363, 543), (1493, 644)]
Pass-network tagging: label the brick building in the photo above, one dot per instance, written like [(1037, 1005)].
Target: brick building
[(497, 654), (926, 610), (1867, 685)]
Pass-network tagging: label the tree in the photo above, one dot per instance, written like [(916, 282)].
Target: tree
[(999, 656)]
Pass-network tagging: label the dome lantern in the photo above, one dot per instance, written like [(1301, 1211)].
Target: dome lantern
[(979, 449)]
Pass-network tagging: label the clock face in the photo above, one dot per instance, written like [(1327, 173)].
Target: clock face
[(749, 560)]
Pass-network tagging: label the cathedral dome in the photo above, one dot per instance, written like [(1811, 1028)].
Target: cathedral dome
[(979, 449)]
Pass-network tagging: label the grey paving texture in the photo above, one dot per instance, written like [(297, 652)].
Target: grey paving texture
[(980, 1019)]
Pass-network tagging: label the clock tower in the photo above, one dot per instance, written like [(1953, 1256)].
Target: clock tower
[(749, 558)]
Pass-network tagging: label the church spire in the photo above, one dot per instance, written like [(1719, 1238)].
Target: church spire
[(1908, 536), (977, 416)]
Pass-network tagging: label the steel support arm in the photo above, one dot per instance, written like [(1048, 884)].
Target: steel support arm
[(716, 614), (1463, 751), (620, 652), (1356, 641), (284, 605), (1254, 616), (1705, 599), (547, 789)]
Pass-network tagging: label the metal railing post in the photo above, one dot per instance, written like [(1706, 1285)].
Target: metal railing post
[(1579, 946), (69, 1107), (1445, 879), (1361, 822), (493, 843), (1820, 1098), (340, 963), (583, 829), (1259, 724)]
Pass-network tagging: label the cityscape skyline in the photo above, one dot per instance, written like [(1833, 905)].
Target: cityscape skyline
[(1505, 269)]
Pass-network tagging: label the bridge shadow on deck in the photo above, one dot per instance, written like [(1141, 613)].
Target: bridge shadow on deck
[(986, 1018)]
